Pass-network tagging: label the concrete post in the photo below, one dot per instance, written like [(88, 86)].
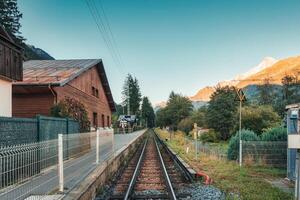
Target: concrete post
[(97, 147), (112, 140), (61, 162)]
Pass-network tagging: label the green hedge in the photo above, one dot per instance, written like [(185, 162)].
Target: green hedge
[(233, 147), (275, 134)]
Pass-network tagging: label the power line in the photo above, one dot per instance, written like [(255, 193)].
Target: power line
[(103, 29), (110, 31)]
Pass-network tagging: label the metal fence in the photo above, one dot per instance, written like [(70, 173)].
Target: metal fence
[(36, 169), (261, 153), (202, 148), (15, 131), (265, 153)]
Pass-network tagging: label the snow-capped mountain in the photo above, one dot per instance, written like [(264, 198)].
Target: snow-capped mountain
[(205, 93), (265, 63)]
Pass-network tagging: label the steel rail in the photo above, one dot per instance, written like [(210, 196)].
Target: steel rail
[(178, 163), (135, 174), (169, 184)]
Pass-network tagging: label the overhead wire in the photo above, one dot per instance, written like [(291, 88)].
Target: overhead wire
[(106, 36), (110, 32)]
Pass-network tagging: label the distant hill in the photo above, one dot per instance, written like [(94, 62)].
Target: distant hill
[(268, 69), (203, 94), (252, 93), (196, 105), (33, 53)]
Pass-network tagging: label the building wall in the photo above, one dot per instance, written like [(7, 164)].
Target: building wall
[(6, 98), (81, 89), (30, 105)]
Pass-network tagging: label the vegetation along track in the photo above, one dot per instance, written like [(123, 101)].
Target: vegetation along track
[(151, 174)]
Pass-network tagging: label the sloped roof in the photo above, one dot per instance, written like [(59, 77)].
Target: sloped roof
[(5, 35), (60, 72), (54, 72), (8, 39)]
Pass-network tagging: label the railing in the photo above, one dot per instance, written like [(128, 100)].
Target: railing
[(37, 168), (127, 130)]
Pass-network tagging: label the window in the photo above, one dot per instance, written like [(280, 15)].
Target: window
[(95, 92), (108, 123), (95, 119), (103, 121)]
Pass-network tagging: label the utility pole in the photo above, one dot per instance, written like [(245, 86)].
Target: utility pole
[(241, 97), (240, 134)]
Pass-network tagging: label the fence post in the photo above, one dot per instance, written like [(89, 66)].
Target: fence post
[(241, 152), (60, 163), (97, 146), (111, 131), (38, 121)]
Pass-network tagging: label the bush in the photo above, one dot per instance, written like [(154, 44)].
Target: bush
[(186, 125), (259, 118), (233, 147), (275, 134), (210, 136), (74, 109)]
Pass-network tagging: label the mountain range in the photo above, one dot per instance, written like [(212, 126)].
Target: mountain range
[(269, 69), (33, 53)]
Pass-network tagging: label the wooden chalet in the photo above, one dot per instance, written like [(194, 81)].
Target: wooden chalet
[(46, 82), (11, 58)]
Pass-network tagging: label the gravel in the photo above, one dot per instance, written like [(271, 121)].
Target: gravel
[(196, 191), (201, 192), (149, 192)]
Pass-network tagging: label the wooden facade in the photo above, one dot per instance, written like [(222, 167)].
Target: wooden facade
[(81, 88), (11, 57), (32, 99)]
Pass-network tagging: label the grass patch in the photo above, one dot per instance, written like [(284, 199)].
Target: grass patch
[(248, 182)]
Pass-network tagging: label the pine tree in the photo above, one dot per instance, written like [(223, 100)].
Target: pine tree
[(222, 111), (147, 113), (10, 18), (132, 94)]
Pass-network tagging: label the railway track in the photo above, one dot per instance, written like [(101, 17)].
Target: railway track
[(151, 174)]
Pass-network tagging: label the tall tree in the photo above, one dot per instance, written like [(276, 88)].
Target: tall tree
[(147, 113), (222, 111), (266, 93), (131, 95), (259, 118), (10, 18), (290, 94), (178, 107)]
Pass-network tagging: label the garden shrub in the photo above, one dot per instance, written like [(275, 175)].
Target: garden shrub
[(275, 134), (74, 109), (233, 147), (210, 136)]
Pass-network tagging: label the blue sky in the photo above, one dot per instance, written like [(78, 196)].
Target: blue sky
[(179, 45)]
